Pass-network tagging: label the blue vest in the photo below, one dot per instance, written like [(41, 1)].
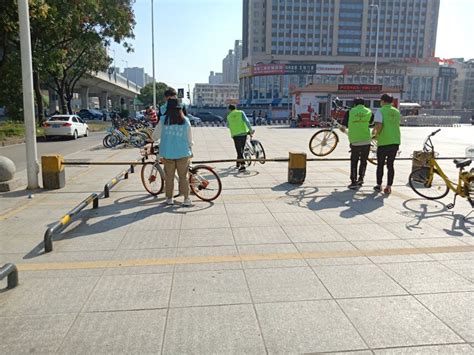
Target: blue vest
[(174, 142)]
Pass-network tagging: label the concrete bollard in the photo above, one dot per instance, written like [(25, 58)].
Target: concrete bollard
[(54, 175), (7, 174), (296, 168)]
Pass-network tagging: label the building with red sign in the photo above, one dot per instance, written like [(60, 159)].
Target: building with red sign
[(293, 43)]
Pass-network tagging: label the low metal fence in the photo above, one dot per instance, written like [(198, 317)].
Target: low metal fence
[(9, 271)]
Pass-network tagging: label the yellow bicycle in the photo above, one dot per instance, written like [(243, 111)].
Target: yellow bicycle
[(432, 183)]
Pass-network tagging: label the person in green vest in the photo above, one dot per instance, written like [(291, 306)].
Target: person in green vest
[(239, 127), (387, 133), (357, 120)]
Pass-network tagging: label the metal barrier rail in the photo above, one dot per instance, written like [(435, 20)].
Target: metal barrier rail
[(9, 271), (66, 219), (132, 163), (94, 198)]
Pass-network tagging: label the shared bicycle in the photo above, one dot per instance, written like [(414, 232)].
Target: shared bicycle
[(431, 182), (253, 148), (203, 180)]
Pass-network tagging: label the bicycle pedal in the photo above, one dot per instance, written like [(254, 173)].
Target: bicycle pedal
[(450, 206)]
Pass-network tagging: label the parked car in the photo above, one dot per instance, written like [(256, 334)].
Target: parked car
[(195, 121), (209, 117), (65, 125), (90, 114)]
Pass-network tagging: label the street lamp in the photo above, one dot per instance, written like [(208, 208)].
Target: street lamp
[(153, 54), (376, 41)]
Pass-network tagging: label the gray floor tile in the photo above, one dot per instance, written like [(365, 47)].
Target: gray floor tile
[(358, 260), (136, 332), (391, 321), (429, 350), (244, 208), (285, 284), (130, 292), (252, 220), (34, 334), (274, 254), (209, 288), (205, 237), (213, 330), (463, 267), (361, 232), (304, 327), (201, 253), (345, 281), (426, 277), (205, 221), (260, 235), (167, 238), (436, 242), (62, 295), (156, 222), (455, 309), (308, 234)]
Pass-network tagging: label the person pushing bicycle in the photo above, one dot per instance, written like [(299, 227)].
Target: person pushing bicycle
[(239, 127), (358, 120)]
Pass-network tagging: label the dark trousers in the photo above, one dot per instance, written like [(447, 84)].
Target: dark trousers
[(239, 142), (386, 155), (359, 153)]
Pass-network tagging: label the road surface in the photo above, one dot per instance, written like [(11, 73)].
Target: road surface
[(63, 146)]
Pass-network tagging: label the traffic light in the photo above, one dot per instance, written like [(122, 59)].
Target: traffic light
[(180, 93), (187, 95)]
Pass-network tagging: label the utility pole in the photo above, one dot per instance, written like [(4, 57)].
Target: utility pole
[(376, 41), (153, 53), (28, 100), (189, 91)]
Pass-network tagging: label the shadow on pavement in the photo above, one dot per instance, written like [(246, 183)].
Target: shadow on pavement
[(460, 225)]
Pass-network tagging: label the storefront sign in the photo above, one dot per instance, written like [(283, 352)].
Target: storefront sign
[(447, 72), (245, 72), (359, 87), (268, 69), (300, 68), (330, 69)]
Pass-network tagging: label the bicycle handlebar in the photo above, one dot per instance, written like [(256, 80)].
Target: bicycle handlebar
[(434, 132)]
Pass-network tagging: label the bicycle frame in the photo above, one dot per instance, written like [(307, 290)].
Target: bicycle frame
[(457, 188)]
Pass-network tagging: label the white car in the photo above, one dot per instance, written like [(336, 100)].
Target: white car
[(195, 121), (65, 125)]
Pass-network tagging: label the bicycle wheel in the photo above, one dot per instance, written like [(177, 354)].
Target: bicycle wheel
[(427, 185), (259, 152), (105, 141), (152, 179), (373, 152), (205, 183), (247, 156), (323, 142), (138, 140)]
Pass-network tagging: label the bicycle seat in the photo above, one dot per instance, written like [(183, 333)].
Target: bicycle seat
[(462, 163)]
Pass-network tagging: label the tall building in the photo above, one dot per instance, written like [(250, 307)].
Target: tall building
[(135, 75), (215, 78), (463, 88), (293, 43), (231, 64), (215, 95)]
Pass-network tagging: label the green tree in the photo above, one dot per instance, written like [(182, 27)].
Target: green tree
[(146, 94)]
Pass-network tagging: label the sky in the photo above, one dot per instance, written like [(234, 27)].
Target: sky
[(193, 36)]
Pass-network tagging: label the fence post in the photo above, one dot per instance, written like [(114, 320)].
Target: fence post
[(11, 272), (106, 191)]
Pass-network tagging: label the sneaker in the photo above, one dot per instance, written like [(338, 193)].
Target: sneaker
[(187, 202), (169, 201), (353, 185), (360, 182), (242, 168), (387, 190), (377, 188)]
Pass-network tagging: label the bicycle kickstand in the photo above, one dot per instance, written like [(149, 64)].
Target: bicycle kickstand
[(451, 205)]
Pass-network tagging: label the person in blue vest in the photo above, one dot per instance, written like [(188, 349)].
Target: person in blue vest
[(239, 127), (174, 135), (357, 120)]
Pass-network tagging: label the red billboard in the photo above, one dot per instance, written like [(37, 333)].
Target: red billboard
[(359, 87)]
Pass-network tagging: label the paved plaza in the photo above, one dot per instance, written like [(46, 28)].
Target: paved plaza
[(269, 267)]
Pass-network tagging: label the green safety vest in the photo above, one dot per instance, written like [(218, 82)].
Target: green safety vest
[(236, 123), (359, 119), (390, 133)]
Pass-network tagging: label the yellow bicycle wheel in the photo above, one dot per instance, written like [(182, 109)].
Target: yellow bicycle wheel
[(428, 183)]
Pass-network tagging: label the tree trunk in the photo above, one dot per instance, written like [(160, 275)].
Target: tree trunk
[(62, 101), (39, 97)]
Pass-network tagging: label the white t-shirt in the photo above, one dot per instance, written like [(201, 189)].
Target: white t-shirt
[(378, 117)]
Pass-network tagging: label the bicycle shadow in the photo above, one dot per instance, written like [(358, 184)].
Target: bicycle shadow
[(459, 224), (232, 171)]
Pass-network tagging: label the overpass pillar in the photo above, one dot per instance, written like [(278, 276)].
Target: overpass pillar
[(115, 102), (84, 94), (53, 101), (103, 100)]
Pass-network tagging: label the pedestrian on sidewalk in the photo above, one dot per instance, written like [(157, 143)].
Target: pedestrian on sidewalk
[(239, 127), (175, 138), (152, 116), (357, 120), (387, 133)]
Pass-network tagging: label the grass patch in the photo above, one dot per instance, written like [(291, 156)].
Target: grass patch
[(14, 129), (98, 126)]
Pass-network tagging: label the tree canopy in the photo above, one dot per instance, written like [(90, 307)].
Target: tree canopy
[(68, 37), (146, 94)]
